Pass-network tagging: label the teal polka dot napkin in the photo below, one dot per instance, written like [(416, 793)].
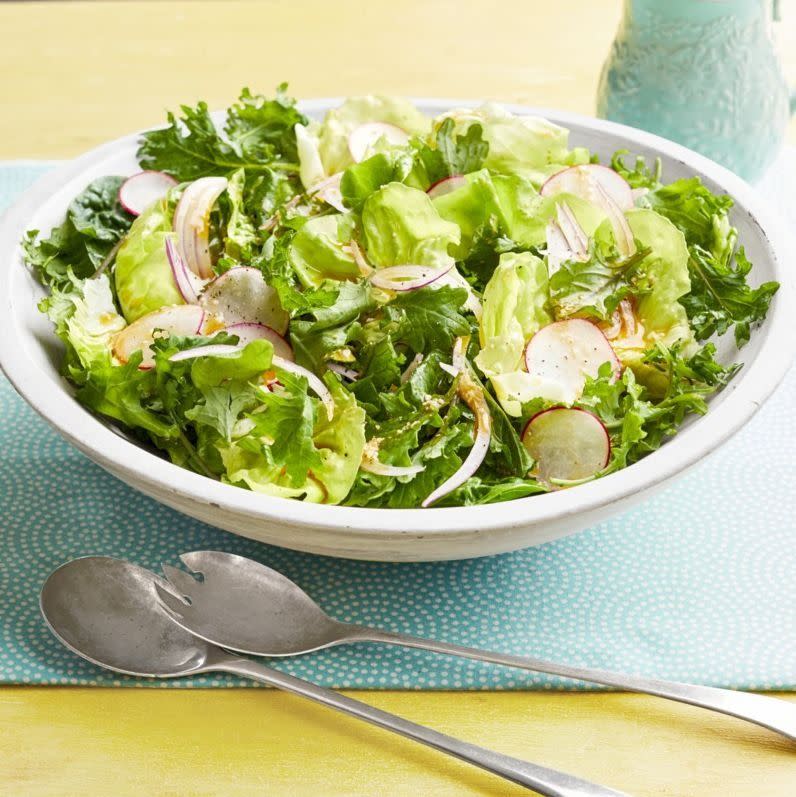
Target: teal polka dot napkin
[(696, 584)]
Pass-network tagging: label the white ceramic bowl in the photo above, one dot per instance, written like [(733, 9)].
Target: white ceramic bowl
[(30, 354)]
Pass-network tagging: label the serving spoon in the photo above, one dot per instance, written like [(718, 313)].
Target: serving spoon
[(106, 611), (245, 606)]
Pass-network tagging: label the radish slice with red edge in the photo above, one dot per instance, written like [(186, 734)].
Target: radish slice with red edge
[(188, 284), (567, 352), (407, 278), (192, 222), (182, 319), (138, 192), (242, 295), (328, 190), (316, 385), (582, 181), (363, 137), (568, 444), (446, 185), (247, 332)]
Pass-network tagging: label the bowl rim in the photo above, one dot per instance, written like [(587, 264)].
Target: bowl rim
[(753, 385)]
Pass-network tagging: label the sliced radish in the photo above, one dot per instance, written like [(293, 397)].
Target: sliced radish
[(316, 385), (328, 190), (447, 185), (192, 222), (242, 295), (188, 284), (183, 319), (407, 278), (138, 192), (582, 181), (565, 353), (567, 443), (362, 138), (247, 332)]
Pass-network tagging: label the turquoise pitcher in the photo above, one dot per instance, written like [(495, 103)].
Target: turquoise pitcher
[(704, 73)]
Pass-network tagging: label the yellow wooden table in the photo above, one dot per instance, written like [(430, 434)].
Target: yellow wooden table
[(76, 74)]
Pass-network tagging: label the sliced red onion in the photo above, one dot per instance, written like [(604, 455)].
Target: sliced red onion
[(411, 368), (380, 469), (192, 222), (625, 242), (407, 278), (347, 373), (329, 191), (138, 192), (446, 185), (188, 284), (472, 394), (315, 384), (247, 331), (365, 269), (212, 350), (449, 369), (459, 358), (575, 235)]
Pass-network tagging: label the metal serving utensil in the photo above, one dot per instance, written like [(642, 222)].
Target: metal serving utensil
[(245, 606), (106, 611)]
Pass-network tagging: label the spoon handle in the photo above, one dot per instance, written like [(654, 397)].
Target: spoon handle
[(539, 779), (776, 715)]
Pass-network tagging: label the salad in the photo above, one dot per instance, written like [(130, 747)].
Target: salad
[(386, 310)]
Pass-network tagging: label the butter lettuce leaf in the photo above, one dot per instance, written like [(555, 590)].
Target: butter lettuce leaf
[(401, 226), (143, 276)]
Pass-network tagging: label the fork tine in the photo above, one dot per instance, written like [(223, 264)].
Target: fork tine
[(183, 582), (169, 603)]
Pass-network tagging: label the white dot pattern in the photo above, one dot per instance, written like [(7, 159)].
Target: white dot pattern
[(697, 584)]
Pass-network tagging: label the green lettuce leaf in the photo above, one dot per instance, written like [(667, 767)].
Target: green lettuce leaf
[(339, 123), (363, 179), (526, 145), (143, 277), (721, 298), (317, 253), (451, 154), (515, 305), (401, 226), (258, 136), (474, 208), (94, 223)]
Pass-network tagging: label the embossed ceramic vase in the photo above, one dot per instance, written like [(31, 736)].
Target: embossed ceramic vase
[(704, 73)]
